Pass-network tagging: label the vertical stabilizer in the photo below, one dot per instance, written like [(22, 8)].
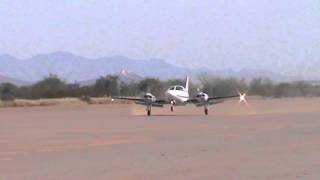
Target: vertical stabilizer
[(187, 84)]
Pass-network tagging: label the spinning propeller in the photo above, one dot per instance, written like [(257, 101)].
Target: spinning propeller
[(242, 97)]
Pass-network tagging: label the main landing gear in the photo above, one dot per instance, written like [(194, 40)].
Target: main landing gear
[(149, 110), (206, 110)]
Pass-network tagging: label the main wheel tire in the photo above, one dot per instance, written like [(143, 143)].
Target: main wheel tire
[(206, 111), (171, 108), (149, 112)]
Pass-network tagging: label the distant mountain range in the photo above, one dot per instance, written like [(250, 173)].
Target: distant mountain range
[(73, 68), (124, 76), (4, 79)]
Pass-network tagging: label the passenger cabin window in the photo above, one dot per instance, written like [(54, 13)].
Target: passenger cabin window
[(179, 88)]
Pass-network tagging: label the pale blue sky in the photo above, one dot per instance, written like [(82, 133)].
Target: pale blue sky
[(279, 35)]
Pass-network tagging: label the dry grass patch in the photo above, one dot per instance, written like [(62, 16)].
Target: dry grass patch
[(51, 102), (38, 102), (103, 100)]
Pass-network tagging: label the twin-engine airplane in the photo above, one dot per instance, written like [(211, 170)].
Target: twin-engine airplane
[(179, 96)]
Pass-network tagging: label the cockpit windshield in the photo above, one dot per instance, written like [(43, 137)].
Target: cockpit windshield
[(179, 88), (171, 88), (147, 97)]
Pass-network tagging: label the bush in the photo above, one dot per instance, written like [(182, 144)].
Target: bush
[(151, 85), (86, 99), (214, 86), (7, 92), (50, 87), (262, 86), (108, 85), (53, 87)]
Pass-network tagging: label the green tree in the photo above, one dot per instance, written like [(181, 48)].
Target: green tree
[(214, 86), (151, 85), (288, 90), (262, 86), (129, 89), (7, 91), (108, 85), (49, 87)]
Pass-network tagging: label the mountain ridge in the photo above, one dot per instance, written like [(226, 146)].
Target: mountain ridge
[(74, 68), (4, 79)]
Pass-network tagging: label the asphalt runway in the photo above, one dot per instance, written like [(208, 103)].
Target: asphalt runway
[(265, 139)]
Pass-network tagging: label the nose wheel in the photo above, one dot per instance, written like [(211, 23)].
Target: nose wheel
[(171, 108)]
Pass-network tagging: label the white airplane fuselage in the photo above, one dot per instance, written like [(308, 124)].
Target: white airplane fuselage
[(178, 95)]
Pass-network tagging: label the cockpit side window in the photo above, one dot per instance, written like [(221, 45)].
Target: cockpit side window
[(171, 88), (179, 88)]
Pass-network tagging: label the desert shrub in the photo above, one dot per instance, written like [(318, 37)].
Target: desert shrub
[(215, 86), (86, 99), (261, 86), (53, 87), (151, 85), (50, 87), (7, 92), (108, 85)]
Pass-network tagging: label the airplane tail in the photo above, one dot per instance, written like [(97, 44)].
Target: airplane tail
[(187, 84)]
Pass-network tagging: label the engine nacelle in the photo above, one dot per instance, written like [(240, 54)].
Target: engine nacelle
[(149, 98), (202, 97)]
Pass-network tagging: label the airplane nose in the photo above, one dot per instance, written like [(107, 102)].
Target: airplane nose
[(169, 94)]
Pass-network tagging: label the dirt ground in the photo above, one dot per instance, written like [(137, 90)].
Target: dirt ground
[(265, 139)]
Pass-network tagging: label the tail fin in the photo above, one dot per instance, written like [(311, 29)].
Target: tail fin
[(187, 84)]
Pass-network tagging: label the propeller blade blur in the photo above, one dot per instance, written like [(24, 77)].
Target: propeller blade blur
[(242, 98)]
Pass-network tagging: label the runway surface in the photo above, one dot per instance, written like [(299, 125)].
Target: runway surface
[(266, 139)]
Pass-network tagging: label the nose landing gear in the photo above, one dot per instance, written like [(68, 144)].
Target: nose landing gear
[(171, 108)]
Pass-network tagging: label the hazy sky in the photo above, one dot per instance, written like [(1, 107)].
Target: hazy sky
[(283, 35)]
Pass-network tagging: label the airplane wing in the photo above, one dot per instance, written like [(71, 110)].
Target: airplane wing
[(162, 102), (129, 98), (211, 100), (222, 97), (139, 99), (192, 100), (198, 104)]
